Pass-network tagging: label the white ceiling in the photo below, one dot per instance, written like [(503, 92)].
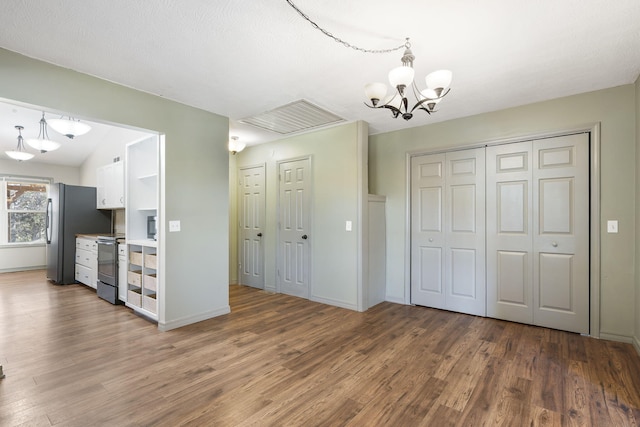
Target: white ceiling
[(241, 58)]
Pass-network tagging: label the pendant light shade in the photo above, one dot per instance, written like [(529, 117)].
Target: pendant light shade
[(236, 146), (20, 153), (69, 127), (43, 143)]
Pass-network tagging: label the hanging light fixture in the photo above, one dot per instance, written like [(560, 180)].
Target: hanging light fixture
[(69, 127), (43, 143), (402, 80), (236, 146), (20, 153)]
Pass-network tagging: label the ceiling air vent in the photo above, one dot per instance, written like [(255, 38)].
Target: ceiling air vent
[(294, 117)]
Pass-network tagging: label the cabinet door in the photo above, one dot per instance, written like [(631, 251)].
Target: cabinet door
[(101, 182), (116, 193)]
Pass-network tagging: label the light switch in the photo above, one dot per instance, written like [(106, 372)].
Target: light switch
[(348, 226), (612, 226), (174, 226)]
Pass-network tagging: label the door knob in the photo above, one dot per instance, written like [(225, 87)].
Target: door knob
[(554, 244), (304, 237), (259, 234)]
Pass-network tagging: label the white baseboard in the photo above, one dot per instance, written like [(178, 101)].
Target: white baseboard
[(636, 344), (15, 270), (615, 337), (394, 300), (335, 303), (184, 321)]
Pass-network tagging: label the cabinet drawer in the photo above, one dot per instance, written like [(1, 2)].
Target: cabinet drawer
[(134, 297), (135, 258), (86, 244), (150, 303), (151, 261), (85, 257), (84, 275), (134, 278), (150, 282)]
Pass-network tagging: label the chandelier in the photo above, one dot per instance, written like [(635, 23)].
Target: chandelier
[(69, 127), (20, 153), (402, 80), (42, 142)]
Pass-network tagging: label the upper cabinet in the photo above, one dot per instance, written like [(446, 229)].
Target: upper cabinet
[(142, 158), (110, 183)]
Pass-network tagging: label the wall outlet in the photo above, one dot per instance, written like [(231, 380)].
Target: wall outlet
[(612, 226), (174, 226), (348, 226)]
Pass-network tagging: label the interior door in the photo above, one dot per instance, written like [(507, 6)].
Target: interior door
[(538, 232), (448, 231), (561, 233), (428, 194), (510, 232), (252, 217), (294, 227)]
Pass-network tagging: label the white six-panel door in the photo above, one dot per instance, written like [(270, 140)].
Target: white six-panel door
[(448, 248), (538, 232), (294, 227), (252, 217)]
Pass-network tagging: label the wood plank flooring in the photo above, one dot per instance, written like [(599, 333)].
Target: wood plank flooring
[(72, 359)]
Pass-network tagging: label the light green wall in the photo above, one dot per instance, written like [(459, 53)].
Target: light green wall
[(337, 160), (614, 108), (195, 179)]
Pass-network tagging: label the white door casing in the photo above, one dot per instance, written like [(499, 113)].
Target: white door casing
[(294, 227), (252, 218), (448, 231)]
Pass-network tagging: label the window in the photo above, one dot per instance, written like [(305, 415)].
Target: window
[(23, 210)]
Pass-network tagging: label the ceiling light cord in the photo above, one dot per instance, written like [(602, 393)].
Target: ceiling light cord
[(339, 40)]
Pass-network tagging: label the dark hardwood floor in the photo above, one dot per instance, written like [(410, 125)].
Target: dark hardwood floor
[(72, 359)]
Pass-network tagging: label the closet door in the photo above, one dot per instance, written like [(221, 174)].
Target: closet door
[(538, 232), (510, 232), (448, 232), (561, 233), (427, 233)]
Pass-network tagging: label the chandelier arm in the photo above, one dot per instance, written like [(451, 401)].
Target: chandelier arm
[(339, 40)]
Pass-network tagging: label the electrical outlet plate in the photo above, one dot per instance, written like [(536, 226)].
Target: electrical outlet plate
[(612, 226), (174, 226)]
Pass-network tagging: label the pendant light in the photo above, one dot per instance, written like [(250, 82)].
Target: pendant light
[(43, 143), (69, 127), (236, 146), (20, 153)]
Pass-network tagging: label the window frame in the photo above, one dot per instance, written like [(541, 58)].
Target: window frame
[(5, 211)]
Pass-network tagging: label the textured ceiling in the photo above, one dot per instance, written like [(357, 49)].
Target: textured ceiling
[(239, 58)]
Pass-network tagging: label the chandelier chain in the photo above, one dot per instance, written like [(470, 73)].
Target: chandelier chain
[(339, 40)]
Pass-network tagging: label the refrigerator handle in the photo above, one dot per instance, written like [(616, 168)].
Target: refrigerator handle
[(49, 222)]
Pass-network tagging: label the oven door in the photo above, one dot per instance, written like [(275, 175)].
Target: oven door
[(108, 262)]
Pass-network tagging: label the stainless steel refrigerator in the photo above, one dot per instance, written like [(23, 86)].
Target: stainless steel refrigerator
[(71, 210)]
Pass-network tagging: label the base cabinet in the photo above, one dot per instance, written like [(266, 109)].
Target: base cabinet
[(86, 261), (122, 272), (142, 277)]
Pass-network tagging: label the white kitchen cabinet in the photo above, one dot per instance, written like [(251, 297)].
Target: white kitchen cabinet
[(142, 202), (110, 183), (122, 272), (142, 278), (86, 261)]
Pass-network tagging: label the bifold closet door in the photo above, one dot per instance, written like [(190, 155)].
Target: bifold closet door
[(538, 232), (448, 231)]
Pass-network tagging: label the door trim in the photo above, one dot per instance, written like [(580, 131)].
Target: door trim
[(311, 220), (594, 209)]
